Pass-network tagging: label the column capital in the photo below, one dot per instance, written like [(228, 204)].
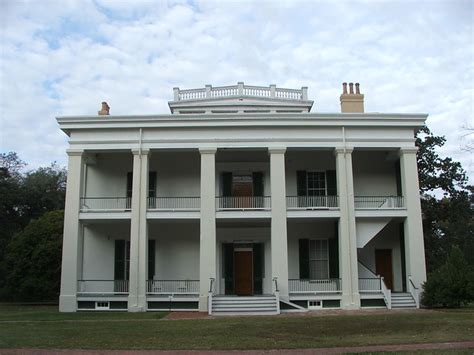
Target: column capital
[(208, 150), (408, 150), (75, 152), (343, 150), (276, 150), (138, 151)]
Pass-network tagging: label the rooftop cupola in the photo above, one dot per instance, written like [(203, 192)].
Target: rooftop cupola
[(351, 102), (240, 98)]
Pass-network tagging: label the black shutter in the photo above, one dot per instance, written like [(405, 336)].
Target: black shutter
[(151, 259), (119, 262), (258, 268), (226, 184), (304, 258), (228, 267), (331, 182), (257, 178), (152, 184), (301, 183), (129, 189), (334, 256), (398, 177)]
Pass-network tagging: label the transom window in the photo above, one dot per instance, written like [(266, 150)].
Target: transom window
[(318, 259), (316, 183)]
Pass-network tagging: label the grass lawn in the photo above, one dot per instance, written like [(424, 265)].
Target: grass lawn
[(45, 327)]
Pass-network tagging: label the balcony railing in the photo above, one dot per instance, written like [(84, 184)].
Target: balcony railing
[(174, 203), (102, 287), (243, 203), (370, 284), (240, 90), (92, 204), (170, 287), (379, 202), (311, 202), (314, 286)]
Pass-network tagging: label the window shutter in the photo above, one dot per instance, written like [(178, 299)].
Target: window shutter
[(334, 256), (129, 184), (226, 184), (301, 183), (152, 184), (304, 258), (398, 178), (119, 262), (257, 268), (331, 182), (257, 178), (228, 251), (151, 259)]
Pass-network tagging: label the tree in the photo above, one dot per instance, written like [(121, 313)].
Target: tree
[(452, 284), (34, 260), (447, 220)]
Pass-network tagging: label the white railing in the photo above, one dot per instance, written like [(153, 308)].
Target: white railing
[(174, 203), (314, 286), (102, 287), (370, 284), (414, 291), (311, 202), (387, 293), (241, 90), (210, 294), (379, 202), (243, 203), (93, 204), (171, 287)]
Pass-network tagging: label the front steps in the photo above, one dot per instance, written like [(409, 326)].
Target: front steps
[(241, 305), (402, 300)]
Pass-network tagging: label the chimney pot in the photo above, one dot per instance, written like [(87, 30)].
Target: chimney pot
[(104, 111), (357, 89), (351, 88), (344, 88)]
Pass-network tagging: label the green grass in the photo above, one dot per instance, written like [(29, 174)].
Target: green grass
[(44, 327)]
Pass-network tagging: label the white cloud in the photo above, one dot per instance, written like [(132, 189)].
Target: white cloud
[(65, 57)]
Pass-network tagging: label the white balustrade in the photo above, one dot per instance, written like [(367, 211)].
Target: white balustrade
[(102, 287), (314, 286), (370, 284), (379, 202), (243, 202), (170, 287), (92, 204), (311, 202), (174, 203)]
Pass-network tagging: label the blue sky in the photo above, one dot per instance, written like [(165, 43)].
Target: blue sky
[(61, 57)]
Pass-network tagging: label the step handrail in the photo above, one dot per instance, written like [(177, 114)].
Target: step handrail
[(387, 293), (414, 291), (209, 297)]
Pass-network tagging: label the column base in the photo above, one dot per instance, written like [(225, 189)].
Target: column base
[(203, 303), (350, 301), (137, 304), (67, 303)]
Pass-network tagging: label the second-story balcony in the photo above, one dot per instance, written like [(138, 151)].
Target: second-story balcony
[(174, 203), (378, 202), (105, 204), (242, 203), (312, 202)]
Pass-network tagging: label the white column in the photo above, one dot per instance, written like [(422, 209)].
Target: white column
[(72, 237), (279, 241), (348, 266), (207, 246), (138, 233), (414, 243)]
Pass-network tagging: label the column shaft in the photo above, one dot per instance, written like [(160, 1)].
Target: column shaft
[(72, 237), (207, 250), (279, 241)]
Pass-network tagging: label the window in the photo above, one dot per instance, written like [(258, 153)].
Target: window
[(318, 259), (316, 183)]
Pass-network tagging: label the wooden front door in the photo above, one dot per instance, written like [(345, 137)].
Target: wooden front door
[(383, 265), (242, 191), (243, 272)]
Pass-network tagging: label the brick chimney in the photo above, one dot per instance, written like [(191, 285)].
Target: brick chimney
[(104, 111), (350, 101)]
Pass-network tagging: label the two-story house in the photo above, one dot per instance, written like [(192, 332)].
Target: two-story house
[(242, 201)]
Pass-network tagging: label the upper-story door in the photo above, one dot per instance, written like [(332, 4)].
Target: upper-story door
[(242, 190)]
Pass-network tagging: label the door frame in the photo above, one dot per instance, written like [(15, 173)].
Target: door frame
[(247, 249)]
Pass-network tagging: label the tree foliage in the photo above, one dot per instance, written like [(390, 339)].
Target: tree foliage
[(452, 284), (34, 260)]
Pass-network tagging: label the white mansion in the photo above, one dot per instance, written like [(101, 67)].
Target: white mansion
[(242, 201)]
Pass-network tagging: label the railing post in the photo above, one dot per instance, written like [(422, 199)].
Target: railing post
[(240, 88), (208, 90), (176, 94), (304, 93), (272, 90)]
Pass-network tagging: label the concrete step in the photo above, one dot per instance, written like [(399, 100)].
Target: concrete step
[(242, 301), (235, 305)]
